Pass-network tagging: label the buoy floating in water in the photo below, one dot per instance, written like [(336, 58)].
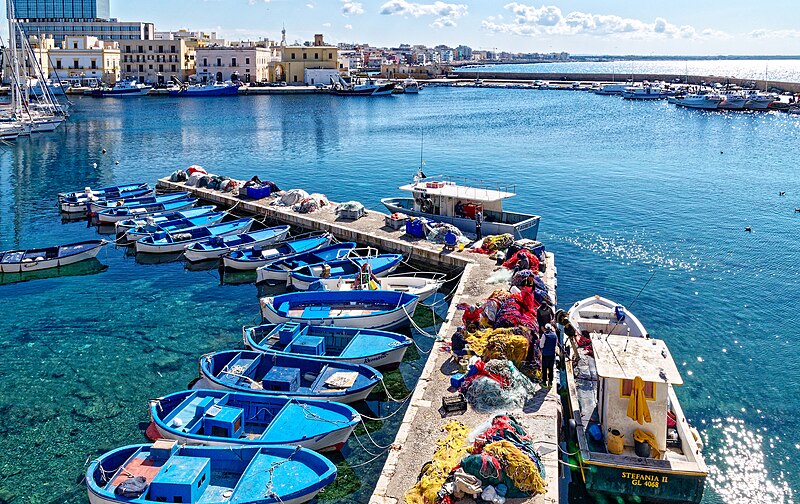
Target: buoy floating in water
[(104, 151), (94, 165), (748, 229), (782, 193)]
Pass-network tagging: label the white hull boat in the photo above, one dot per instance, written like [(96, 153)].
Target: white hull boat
[(19, 261), (421, 286)]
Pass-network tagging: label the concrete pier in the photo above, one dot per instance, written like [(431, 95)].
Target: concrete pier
[(422, 424)]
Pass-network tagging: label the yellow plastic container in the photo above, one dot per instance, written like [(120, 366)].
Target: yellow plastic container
[(615, 441)]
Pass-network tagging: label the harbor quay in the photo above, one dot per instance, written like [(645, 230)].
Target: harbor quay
[(425, 418)]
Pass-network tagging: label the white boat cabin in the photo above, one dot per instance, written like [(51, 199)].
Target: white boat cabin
[(446, 198), (619, 361)]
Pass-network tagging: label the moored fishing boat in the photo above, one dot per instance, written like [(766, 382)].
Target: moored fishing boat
[(362, 309), (277, 271), (209, 89), (164, 243), (167, 472), (117, 214), (611, 89), (105, 192), (290, 376), (95, 206), (172, 227), (377, 265), (76, 202), (443, 200), (255, 257), (222, 418), (19, 261), (422, 285), (697, 101), (217, 246), (357, 346), (159, 217), (645, 92), (634, 440), (122, 89)]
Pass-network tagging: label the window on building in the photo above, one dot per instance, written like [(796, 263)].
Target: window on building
[(161, 49), (58, 64), (292, 55), (233, 62), (305, 56), (219, 62), (150, 67), (141, 68), (75, 63), (160, 68), (330, 55), (150, 48), (128, 68), (74, 45), (205, 61), (94, 64), (173, 68), (141, 49), (295, 78), (247, 61)]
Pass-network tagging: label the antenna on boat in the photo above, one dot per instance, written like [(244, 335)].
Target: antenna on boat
[(420, 174)]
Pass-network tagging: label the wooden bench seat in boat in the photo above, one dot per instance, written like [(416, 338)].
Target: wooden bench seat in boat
[(243, 366)]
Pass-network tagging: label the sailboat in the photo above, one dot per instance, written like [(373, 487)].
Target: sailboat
[(44, 114)]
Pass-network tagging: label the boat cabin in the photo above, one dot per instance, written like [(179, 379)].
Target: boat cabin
[(448, 199), (631, 368)]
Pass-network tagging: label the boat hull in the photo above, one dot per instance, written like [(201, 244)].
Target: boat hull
[(205, 93), (655, 486), (166, 248), (527, 228), (193, 255), (52, 263), (303, 282), (105, 217)]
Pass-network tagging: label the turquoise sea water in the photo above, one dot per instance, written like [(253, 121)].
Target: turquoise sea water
[(627, 191), (781, 70)]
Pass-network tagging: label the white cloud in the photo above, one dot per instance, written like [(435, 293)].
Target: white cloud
[(326, 25), (530, 20), (348, 27), (349, 7), (446, 13), (779, 34)]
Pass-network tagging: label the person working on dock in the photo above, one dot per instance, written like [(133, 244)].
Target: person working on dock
[(548, 344), (544, 315), (478, 222)]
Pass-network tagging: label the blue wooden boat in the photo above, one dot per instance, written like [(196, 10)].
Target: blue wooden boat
[(173, 226), (93, 207), (287, 375), (160, 217), (110, 191), (374, 348), (216, 247), (163, 242), (117, 214), (253, 257), (362, 309), (167, 472), (222, 418), (278, 271), (380, 265), (77, 202), (21, 261)]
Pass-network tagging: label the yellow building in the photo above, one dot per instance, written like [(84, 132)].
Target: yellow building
[(300, 64), (79, 59)]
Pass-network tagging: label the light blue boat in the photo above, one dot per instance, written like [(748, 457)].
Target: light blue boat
[(166, 472), (113, 215), (378, 349), (362, 309), (76, 201), (278, 271), (161, 217), (216, 247), (163, 243), (222, 418), (173, 226), (254, 257), (347, 269), (94, 207), (290, 376)]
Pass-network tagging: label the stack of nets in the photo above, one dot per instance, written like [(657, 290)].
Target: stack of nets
[(504, 454), (488, 393), (451, 449), (507, 343), (437, 230), (291, 197), (494, 243)]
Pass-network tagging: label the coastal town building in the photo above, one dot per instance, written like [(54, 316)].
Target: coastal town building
[(157, 61), (193, 39), (248, 62), (80, 60), (310, 65)]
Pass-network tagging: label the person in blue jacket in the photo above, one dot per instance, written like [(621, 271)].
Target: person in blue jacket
[(548, 343)]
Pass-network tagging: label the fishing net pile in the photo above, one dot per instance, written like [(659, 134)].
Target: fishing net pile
[(436, 232), (451, 449), (291, 197), (496, 462), (494, 243), (311, 204), (496, 385), (505, 343)]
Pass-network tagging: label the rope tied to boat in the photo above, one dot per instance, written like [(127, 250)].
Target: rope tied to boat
[(417, 327), (310, 415), (271, 471)]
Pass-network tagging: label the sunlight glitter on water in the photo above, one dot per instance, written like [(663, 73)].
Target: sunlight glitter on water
[(738, 469)]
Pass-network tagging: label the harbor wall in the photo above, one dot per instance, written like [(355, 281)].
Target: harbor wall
[(637, 77)]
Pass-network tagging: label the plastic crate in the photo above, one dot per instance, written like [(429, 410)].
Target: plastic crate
[(256, 192), (454, 405), (351, 214), (396, 221), (416, 227)]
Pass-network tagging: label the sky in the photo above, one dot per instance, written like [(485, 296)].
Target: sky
[(673, 27)]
